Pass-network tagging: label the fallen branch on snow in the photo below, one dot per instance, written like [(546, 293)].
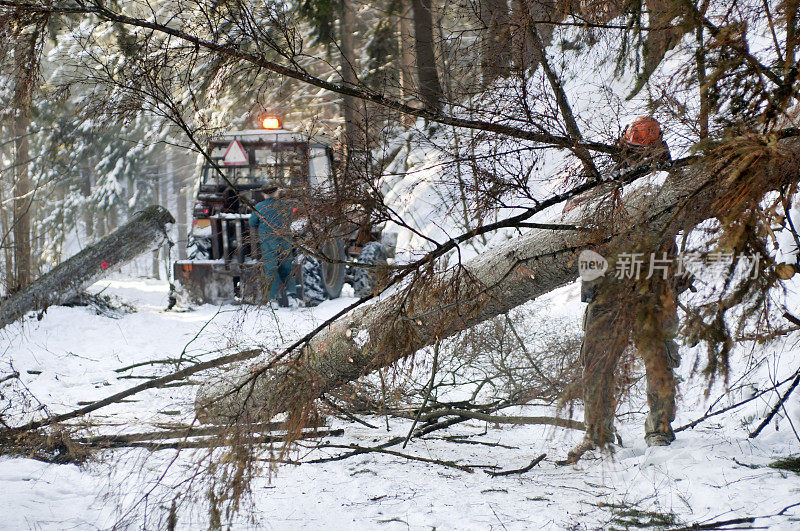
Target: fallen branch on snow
[(507, 419), (357, 450), (217, 442), (517, 470), (777, 406), (118, 397)]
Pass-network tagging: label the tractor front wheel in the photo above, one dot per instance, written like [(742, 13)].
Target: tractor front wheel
[(333, 271)]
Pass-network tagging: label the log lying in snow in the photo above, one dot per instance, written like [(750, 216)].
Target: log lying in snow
[(144, 232), (495, 282)]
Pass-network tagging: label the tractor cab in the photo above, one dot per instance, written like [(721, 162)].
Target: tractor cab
[(223, 256), (252, 158)]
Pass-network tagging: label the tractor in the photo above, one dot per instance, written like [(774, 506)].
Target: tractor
[(223, 256)]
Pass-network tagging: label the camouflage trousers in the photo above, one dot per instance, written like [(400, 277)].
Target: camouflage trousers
[(608, 326)]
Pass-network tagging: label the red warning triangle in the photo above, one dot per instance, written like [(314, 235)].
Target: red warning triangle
[(235, 155)]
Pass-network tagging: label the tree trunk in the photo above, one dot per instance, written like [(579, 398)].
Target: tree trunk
[(700, 60), (525, 16), (88, 208), (101, 223), (521, 47), (157, 201), (8, 256), (495, 40), (5, 230), (661, 39), (24, 83), (180, 207), (23, 266), (408, 87), (140, 234), (350, 105), (428, 79), (406, 41)]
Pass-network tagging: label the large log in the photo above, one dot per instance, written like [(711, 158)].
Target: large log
[(144, 232), (500, 279)]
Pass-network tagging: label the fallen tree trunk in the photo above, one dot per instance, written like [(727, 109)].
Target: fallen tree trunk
[(146, 230), (500, 279)]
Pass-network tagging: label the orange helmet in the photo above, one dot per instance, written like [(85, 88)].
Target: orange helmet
[(644, 131)]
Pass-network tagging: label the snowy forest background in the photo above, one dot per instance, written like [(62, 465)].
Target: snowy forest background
[(463, 126), (84, 148)]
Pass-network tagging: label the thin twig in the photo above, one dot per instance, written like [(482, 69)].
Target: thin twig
[(183, 383), (777, 407), (420, 432), (167, 361), (427, 393), (563, 104), (383, 399), (745, 520), (733, 406), (450, 422), (789, 317), (391, 442), (185, 347), (347, 413), (462, 440), (517, 470), (720, 524), (535, 366)]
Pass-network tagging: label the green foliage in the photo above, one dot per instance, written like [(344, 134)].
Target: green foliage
[(322, 15), (791, 464), (84, 167), (645, 45), (127, 43), (628, 516), (631, 41), (382, 50)]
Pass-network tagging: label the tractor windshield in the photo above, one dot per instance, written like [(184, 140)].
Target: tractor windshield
[(285, 164)]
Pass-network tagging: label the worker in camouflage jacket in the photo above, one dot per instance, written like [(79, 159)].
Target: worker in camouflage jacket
[(272, 219), (621, 310)]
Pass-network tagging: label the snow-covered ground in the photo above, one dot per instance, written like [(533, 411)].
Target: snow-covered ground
[(712, 472)]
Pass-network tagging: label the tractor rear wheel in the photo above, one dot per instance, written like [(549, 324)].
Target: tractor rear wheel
[(374, 255)]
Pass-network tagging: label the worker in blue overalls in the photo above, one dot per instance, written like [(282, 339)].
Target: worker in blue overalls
[(272, 219)]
